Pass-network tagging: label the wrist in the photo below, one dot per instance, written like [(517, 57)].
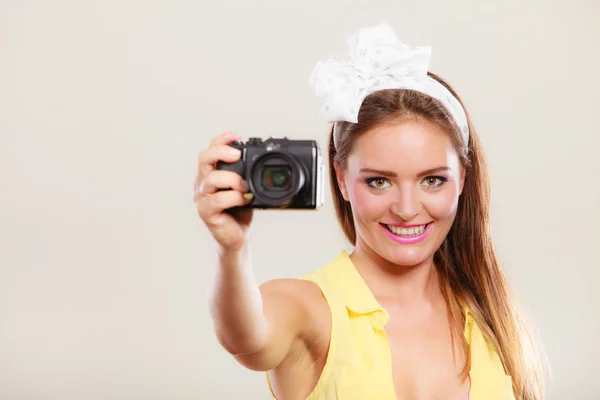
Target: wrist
[(235, 257)]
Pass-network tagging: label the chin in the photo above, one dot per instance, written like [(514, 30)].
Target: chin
[(407, 255)]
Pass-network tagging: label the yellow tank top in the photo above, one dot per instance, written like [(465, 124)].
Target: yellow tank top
[(358, 365)]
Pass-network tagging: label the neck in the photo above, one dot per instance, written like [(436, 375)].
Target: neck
[(404, 285)]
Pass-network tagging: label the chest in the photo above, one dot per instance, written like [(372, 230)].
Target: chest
[(425, 363)]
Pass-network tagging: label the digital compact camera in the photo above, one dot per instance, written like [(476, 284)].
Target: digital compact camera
[(281, 173)]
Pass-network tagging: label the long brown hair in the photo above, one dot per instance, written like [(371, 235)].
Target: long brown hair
[(470, 273)]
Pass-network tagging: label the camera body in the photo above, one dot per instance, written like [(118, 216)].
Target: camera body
[(281, 173)]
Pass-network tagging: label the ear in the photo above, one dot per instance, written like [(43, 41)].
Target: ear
[(339, 174), (462, 180)]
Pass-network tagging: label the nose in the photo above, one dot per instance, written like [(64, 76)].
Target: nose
[(408, 204)]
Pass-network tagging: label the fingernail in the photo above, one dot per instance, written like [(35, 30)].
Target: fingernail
[(248, 196), (245, 184), (234, 151)]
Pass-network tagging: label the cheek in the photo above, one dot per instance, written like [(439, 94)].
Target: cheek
[(367, 205), (443, 204)]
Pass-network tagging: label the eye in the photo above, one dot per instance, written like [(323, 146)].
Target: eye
[(432, 182), (378, 183)]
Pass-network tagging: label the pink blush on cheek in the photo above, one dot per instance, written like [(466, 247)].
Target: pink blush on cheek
[(366, 205), (443, 205)]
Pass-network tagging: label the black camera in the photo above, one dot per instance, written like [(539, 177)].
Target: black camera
[(281, 173)]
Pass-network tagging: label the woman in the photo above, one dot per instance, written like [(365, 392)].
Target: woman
[(420, 309)]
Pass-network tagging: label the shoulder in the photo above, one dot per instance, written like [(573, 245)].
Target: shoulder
[(315, 295), (303, 298), (300, 291), (307, 354)]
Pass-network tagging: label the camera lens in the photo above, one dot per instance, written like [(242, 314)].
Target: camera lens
[(277, 177)]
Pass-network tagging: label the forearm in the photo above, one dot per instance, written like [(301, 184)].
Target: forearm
[(236, 304)]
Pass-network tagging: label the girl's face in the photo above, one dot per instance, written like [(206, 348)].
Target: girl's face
[(403, 181)]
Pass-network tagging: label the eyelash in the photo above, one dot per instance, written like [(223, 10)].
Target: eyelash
[(369, 182), (441, 179)]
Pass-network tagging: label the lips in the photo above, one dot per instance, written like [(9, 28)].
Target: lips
[(414, 230), (407, 235)]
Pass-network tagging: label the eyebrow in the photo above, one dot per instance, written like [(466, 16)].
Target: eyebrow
[(392, 174)]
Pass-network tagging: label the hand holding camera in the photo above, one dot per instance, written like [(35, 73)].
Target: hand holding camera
[(281, 173), (217, 190), (236, 177)]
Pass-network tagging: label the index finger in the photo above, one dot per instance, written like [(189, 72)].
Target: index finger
[(224, 138)]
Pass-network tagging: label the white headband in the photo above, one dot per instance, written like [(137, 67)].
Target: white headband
[(377, 61)]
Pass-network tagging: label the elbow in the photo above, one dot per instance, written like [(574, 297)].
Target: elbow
[(240, 345)]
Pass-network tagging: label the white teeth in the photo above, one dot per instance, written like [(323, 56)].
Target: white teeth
[(414, 231)]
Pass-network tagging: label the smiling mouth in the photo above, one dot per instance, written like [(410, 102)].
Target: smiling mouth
[(413, 231)]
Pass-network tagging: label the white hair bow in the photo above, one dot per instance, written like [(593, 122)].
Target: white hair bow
[(377, 60)]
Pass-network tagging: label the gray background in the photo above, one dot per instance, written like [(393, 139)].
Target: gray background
[(104, 107)]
